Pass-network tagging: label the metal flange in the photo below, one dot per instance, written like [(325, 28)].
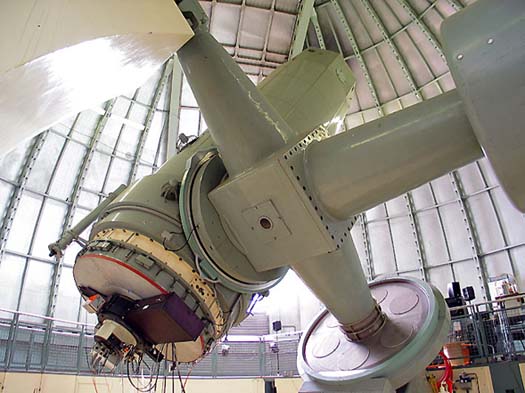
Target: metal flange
[(219, 256), (417, 324)]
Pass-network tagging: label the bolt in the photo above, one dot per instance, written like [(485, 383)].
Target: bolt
[(490, 41), (460, 56)]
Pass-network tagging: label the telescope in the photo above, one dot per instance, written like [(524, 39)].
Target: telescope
[(174, 260)]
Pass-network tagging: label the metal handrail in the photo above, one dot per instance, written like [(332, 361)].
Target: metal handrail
[(490, 302), (14, 312), (48, 343)]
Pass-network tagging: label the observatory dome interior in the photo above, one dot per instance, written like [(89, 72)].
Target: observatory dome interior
[(458, 228)]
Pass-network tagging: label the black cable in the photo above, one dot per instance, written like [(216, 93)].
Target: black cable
[(182, 388), (89, 362), (176, 233), (165, 379), (175, 365), (180, 248), (154, 376), (172, 368)]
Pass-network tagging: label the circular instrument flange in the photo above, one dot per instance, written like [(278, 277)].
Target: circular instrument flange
[(416, 327), (220, 258), (117, 261)]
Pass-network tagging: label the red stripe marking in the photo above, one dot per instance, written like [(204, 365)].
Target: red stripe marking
[(138, 273), (125, 265), (202, 343)]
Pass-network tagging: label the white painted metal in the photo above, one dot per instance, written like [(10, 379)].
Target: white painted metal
[(41, 28), (64, 57)]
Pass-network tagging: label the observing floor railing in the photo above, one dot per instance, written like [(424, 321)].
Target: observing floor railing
[(51, 345), (487, 332), (479, 334)]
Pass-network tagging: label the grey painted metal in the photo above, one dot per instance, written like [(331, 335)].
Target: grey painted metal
[(161, 152), (424, 28), (452, 262), (14, 202), (293, 89), (251, 132), (73, 233), (391, 238), (222, 199), (275, 190), (442, 227), (335, 278), (71, 340), (357, 53), (143, 208), (219, 258), (398, 357), (439, 207), (55, 278), (408, 76), (436, 206), (416, 233), (75, 195), (98, 149), (132, 103), (399, 31), (317, 29), (455, 4), (416, 145), (471, 234), (150, 210), (302, 22), (369, 264), (299, 218), (393, 48), (168, 68), (267, 35), (27, 167), (174, 113), (239, 29), (400, 268), (429, 36), (497, 215), (485, 47), (365, 313)]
